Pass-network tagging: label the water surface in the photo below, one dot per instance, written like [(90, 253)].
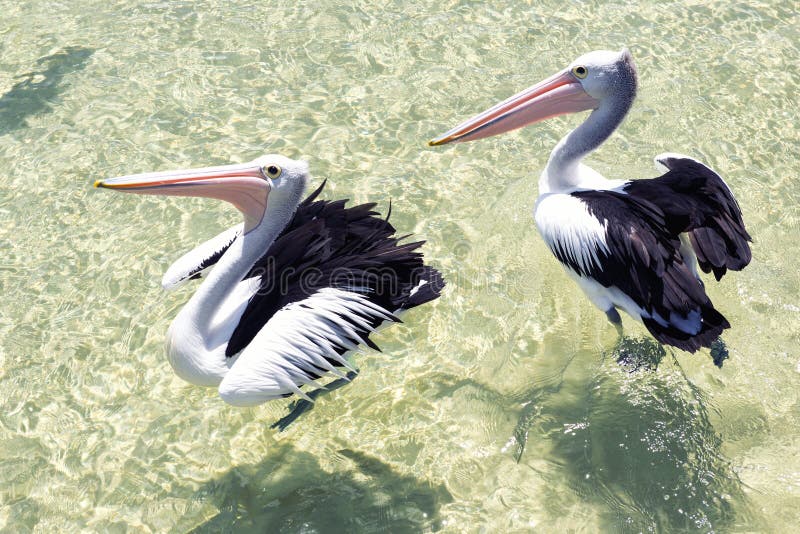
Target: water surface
[(500, 407)]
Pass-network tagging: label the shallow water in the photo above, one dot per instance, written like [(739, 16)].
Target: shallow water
[(500, 407)]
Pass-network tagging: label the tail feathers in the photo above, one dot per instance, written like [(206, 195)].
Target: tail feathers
[(429, 288), (712, 323)]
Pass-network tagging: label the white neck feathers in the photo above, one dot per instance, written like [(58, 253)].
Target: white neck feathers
[(199, 334)]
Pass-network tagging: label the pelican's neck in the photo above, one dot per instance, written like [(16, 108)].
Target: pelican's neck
[(564, 168), (205, 304), (199, 334)]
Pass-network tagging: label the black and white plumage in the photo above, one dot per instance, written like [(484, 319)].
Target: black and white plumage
[(635, 252), (289, 292), (329, 246), (631, 245)]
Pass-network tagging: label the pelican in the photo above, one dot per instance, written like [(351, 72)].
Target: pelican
[(631, 245), (291, 290)]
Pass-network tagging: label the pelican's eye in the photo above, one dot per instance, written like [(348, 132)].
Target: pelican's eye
[(272, 171), (580, 71)]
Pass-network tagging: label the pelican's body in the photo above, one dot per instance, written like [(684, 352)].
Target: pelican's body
[(292, 289), (630, 245)]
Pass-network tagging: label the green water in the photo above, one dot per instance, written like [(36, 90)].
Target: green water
[(501, 407)]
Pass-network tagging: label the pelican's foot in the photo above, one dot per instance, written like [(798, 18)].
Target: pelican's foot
[(620, 333), (719, 352), (301, 406), (635, 354), (613, 317)]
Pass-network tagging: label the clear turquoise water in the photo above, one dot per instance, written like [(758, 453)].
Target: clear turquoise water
[(499, 408)]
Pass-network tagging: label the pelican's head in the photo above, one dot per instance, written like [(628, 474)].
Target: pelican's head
[(271, 182), (287, 179), (585, 84), (605, 74)]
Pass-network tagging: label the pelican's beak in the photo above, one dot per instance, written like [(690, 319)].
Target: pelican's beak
[(243, 185), (559, 94)]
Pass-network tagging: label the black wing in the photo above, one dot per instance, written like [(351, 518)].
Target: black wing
[(194, 263), (696, 200), (329, 245), (212, 259), (642, 258)]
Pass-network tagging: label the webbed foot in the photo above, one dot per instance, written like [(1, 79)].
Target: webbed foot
[(301, 406), (719, 352)]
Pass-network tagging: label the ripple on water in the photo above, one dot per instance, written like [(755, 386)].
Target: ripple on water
[(500, 406), (643, 449)]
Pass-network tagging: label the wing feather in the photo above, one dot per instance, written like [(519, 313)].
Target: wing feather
[(194, 263), (301, 343), (624, 242), (697, 200), (330, 245)]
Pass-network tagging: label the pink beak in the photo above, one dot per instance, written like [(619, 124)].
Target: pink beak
[(559, 94), (243, 185)]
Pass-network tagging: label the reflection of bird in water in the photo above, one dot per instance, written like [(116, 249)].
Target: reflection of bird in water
[(631, 245), (292, 290)]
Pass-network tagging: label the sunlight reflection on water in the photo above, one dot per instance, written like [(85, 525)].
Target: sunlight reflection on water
[(501, 406)]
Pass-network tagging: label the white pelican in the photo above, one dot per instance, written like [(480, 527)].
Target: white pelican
[(292, 289), (631, 245)]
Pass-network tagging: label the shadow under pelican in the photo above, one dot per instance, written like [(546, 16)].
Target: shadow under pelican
[(635, 441), (289, 491)]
